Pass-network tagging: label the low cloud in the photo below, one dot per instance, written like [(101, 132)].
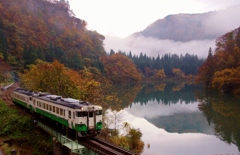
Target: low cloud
[(223, 21), (216, 23), (154, 47)]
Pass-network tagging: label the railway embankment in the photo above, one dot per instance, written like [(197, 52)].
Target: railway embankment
[(18, 132)]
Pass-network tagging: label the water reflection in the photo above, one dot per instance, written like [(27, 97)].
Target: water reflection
[(165, 143), (223, 112), (178, 117), (174, 120)]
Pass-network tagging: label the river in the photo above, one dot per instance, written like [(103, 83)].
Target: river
[(184, 120)]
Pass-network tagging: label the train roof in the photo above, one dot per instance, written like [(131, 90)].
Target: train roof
[(24, 91), (67, 102)]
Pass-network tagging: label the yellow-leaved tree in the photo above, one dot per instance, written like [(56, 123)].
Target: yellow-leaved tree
[(227, 80), (57, 79)]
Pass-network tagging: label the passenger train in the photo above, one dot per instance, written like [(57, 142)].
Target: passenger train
[(82, 117)]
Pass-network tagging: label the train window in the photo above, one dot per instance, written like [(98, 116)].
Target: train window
[(30, 98), (98, 112), (53, 109), (57, 109), (50, 107), (44, 105), (73, 115), (47, 106), (90, 114), (61, 112), (69, 114)]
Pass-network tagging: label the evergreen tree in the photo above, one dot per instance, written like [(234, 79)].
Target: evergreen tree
[(50, 55), (40, 54), (238, 38), (75, 61), (3, 43), (60, 55), (112, 52), (210, 54)]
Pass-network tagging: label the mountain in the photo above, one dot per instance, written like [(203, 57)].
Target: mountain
[(47, 30), (187, 27)]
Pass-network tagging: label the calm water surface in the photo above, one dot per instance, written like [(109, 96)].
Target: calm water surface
[(181, 120)]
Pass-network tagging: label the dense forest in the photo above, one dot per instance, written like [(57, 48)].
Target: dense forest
[(48, 30), (221, 70), (149, 66)]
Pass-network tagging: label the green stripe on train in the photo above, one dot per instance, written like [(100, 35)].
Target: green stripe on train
[(19, 102), (77, 127), (52, 116)]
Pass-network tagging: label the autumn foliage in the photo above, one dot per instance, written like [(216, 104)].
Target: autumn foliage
[(119, 68), (38, 23), (55, 78), (221, 70)]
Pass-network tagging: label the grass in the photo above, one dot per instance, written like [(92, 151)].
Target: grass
[(17, 131)]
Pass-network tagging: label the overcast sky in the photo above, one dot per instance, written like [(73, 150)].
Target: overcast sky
[(121, 18)]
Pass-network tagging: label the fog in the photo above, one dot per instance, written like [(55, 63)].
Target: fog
[(217, 22), (154, 47), (223, 21)]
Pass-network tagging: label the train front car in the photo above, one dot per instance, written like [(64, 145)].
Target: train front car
[(89, 117)]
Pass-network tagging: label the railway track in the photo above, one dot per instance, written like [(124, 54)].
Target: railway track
[(5, 94), (104, 148)]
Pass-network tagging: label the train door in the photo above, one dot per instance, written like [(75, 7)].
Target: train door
[(70, 119), (91, 120), (30, 103)]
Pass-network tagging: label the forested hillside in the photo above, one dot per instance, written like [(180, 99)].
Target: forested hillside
[(221, 70), (47, 30), (187, 27), (180, 27)]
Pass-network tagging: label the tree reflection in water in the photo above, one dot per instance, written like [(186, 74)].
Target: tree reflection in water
[(223, 111)]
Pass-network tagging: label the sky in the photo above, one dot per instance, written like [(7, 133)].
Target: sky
[(117, 20), (124, 17)]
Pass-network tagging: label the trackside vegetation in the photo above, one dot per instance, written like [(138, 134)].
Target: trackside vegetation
[(19, 133)]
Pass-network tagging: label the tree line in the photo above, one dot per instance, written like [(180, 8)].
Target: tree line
[(168, 63), (221, 70)]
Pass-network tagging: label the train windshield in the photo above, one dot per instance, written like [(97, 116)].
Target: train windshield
[(98, 112), (91, 114), (81, 114)]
